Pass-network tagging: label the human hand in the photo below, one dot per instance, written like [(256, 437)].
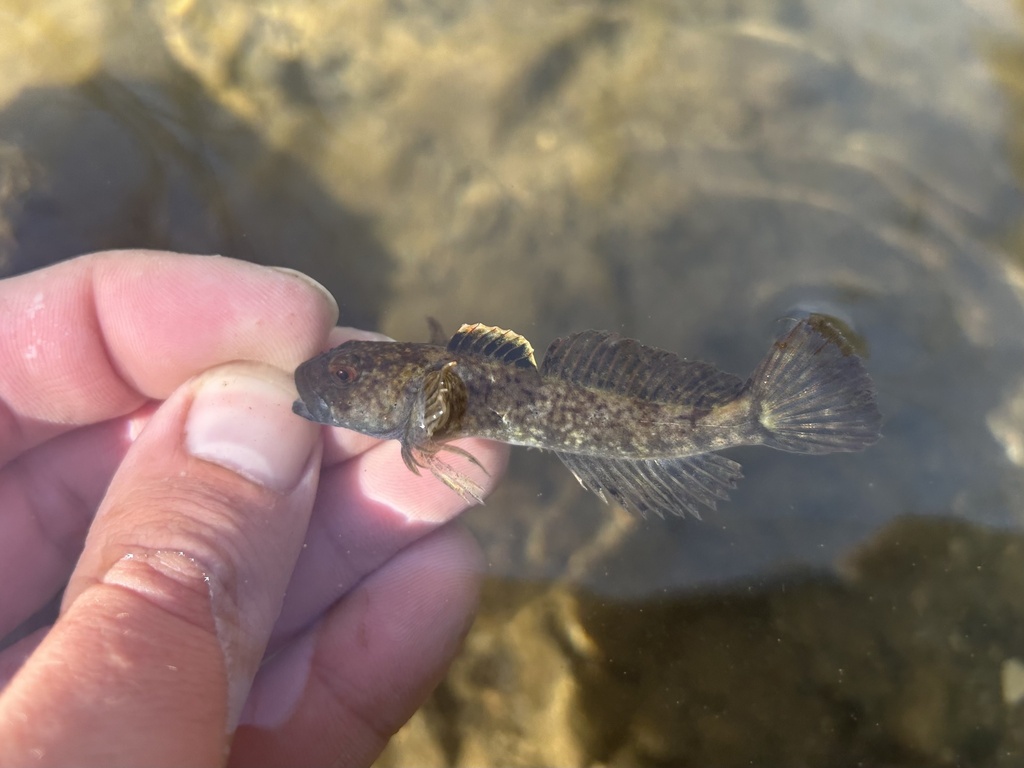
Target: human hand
[(209, 524)]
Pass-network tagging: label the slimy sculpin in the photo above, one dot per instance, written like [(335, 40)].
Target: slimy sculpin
[(634, 424)]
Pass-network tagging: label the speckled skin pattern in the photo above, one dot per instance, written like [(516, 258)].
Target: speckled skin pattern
[(380, 392)]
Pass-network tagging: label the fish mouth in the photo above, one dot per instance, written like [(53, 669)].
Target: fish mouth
[(311, 404), (314, 408), (299, 408)]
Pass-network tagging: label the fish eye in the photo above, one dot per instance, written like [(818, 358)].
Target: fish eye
[(346, 374)]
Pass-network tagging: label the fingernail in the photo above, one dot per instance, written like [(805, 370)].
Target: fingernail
[(347, 333), (303, 277), (241, 419)]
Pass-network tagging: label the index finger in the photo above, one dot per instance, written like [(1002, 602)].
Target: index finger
[(94, 338)]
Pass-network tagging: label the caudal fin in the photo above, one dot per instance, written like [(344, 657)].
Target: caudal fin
[(811, 394)]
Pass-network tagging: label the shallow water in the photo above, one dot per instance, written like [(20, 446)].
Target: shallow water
[(684, 174)]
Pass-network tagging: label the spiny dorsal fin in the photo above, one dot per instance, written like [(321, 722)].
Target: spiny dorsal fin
[(606, 360), (491, 341)]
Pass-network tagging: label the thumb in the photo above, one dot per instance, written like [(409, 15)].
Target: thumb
[(167, 615)]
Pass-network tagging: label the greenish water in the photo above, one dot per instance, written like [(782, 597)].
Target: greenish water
[(684, 173)]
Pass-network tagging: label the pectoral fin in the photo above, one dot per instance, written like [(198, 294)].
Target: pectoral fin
[(443, 401)]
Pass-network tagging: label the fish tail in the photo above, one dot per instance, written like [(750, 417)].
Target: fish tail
[(812, 394)]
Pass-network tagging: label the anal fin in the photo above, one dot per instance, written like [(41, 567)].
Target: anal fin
[(674, 486)]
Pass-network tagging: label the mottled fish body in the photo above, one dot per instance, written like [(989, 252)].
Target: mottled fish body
[(633, 423)]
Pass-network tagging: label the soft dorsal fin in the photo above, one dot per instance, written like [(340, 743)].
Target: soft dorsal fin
[(606, 360), (491, 341)]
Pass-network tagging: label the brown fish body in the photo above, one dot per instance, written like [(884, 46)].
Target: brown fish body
[(632, 422), (521, 406)]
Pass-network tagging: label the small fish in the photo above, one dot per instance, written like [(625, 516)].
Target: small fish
[(633, 423)]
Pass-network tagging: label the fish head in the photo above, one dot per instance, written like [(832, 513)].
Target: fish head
[(367, 386)]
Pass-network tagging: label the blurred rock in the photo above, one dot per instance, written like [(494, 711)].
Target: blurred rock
[(902, 661)]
